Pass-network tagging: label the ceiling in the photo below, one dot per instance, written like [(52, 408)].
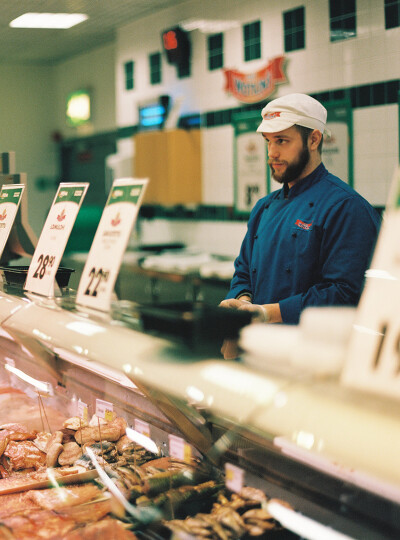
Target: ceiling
[(44, 46)]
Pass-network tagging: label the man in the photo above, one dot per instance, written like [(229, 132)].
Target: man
[(309, 243)]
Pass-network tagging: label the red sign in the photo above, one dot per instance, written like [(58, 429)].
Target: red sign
[(254, 87)]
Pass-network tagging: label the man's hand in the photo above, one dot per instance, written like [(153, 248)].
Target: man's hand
[(244, 304), (230, 349), (235, 303)]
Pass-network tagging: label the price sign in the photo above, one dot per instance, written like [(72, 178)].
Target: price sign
[(179, 449), (234, 477), (104, 409), (105, 256), (83, 411), (10, 199), (142, 427), (54, 237)]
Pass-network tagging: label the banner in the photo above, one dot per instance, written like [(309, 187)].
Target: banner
[(255, 87)]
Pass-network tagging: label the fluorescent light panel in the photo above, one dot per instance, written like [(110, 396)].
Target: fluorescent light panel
[(48, 20), (208, 26)]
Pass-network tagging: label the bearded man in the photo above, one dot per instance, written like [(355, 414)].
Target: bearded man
[(310, 242)]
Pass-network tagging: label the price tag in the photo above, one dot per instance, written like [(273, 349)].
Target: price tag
[(54, 237), (112, 235), (104, 409), (179, 449), (82, 411), (10, 199), (142, 427), (234, 477)]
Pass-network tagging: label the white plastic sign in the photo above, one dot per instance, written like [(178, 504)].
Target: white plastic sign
[(82, 411), (234, 477), (54, 237), (179, 449), (104, 409), (99, 275), (142, 427), (10, 199)]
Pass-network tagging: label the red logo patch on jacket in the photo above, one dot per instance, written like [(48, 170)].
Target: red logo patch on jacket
[(302, 225)]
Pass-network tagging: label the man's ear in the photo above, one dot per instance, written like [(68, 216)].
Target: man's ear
[(314, 139)]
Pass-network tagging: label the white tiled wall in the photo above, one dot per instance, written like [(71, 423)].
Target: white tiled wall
[(373, 56), (376, 143)]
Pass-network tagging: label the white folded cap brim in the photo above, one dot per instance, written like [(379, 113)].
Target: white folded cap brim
[(285, 120)]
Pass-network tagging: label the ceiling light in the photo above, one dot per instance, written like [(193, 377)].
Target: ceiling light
[(48, 20), (208, 26)]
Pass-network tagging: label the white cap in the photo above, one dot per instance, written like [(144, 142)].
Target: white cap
[(286, 111)]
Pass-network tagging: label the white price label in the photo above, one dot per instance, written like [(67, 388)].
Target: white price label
[(142, 427), (54, 237), (102, 266), (82, 411), (104, 409), (234, 477), (179, 449), (10, 199)]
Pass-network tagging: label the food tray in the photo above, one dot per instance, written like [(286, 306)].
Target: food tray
[(16, 275), (198, 325)]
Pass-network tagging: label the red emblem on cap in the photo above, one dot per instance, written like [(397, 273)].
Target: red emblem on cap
[(271, 115)]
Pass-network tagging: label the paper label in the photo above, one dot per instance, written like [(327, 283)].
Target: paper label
[(234, 477), (142, 427), (54, 237), (102, 266), (10, 199), (179, 449), (82, 411), (104, 409)]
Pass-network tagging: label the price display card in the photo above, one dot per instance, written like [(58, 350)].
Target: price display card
[(179, 448), (142, 427), (234, 477), (83, 411), (54, 237), (112, 235), (104, 409), (10, 199)]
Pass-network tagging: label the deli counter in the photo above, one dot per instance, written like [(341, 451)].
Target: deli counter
[(324, 454), (127, 422)]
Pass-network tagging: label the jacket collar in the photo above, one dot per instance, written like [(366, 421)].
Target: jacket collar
[(305, 183)]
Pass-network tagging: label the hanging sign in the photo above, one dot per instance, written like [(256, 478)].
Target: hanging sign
[(337, 149), (250, 162), (10, 199), (54, 237), (112, 235), (255, 87)]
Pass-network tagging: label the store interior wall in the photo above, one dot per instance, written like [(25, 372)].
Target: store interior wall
[(27, 109), (372, 56), (33, 101)]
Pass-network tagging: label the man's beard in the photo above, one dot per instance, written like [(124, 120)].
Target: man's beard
[(295, 169)]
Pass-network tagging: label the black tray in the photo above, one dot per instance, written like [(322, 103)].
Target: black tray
[(16, 275), (200, 326)]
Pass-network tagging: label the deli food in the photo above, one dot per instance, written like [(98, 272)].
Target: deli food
[(50, 489)]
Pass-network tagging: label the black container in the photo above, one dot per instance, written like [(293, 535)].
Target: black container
[(200, 326), (16, 275)]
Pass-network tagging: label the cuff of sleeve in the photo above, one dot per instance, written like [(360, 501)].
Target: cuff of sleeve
[(291, 309), (244, 293)]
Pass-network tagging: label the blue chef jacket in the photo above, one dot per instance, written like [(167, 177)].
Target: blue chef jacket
[(309, 249)]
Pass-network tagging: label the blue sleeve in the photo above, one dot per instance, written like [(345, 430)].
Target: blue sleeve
[(241, 279), (348, 238)]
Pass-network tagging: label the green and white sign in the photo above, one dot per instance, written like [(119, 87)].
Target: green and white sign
[(10, 199), (54, 237), (109, 244), (337, 149), (250, 162)]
